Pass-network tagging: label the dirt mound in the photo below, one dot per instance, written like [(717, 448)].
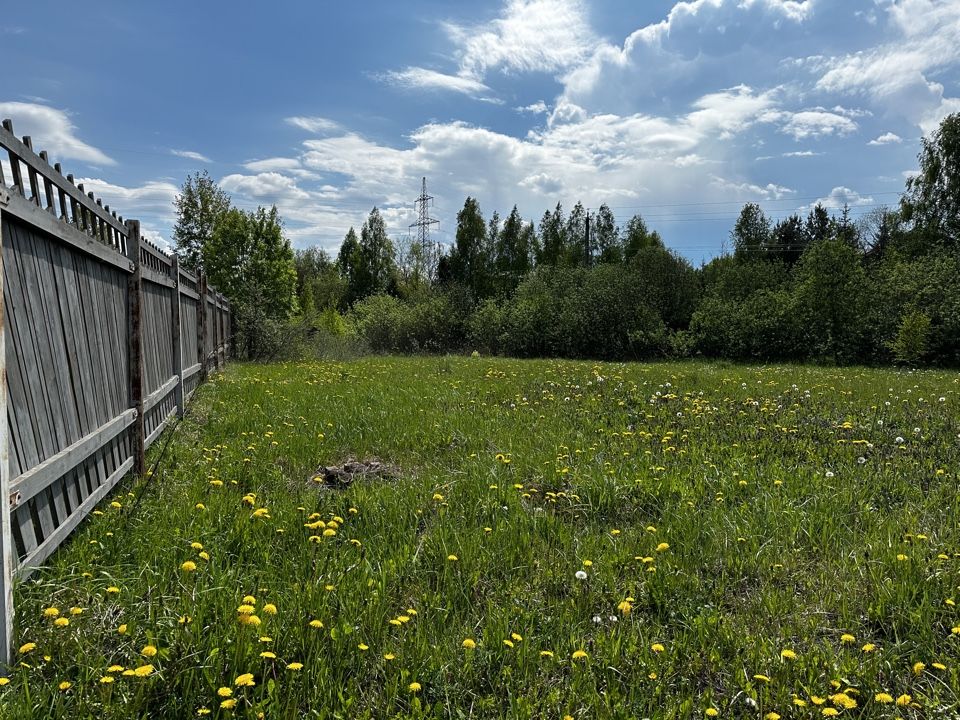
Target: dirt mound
[(341, 476)]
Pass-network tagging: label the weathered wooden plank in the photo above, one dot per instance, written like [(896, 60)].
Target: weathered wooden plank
[(161, 426), (160, 393), (64, 232), (36, 479), (176, 351), (135, 336), (35, 558), (7, 549), (157, 278)]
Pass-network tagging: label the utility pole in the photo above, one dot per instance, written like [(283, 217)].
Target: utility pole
[(424, 221)]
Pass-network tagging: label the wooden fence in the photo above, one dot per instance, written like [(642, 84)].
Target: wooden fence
[(103, 339)]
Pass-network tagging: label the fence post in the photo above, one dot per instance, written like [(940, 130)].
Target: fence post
[(202, 324), (177, 345), (135, 334), (6, 537), (216, 330)]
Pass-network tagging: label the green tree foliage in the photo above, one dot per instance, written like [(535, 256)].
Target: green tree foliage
[(512, 253), (553, 238), (200, 206), (252, 263), (469, 260), (830, 299), (911, 343), (605, 237), (637, 237), (751, 233), (319, 284), (577, 253), (932, 201)]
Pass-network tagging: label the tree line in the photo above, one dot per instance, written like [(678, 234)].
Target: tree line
[(822, 286)]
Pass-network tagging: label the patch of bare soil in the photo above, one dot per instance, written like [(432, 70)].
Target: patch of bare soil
[(338, 477)]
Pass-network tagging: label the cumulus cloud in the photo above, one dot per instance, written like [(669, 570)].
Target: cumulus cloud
[(191, 155), (886, 139), (527, 36), (53, 131), (841, 196)]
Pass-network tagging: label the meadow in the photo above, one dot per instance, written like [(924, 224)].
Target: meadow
[(550, 540)]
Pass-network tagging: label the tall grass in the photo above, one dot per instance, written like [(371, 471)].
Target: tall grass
[(561, 539)]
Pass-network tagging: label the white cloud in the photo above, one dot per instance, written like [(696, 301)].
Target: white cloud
[(899, 74), (267, 187), (52, 130), (816, 123), (886, 139), (528, 36), (752, 191), (191, 155), (152, 196), (537, 108), (841, 196), (422, 78), (313, 124), (285, 166)]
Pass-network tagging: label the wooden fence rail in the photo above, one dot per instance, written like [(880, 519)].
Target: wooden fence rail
[(103, 339)]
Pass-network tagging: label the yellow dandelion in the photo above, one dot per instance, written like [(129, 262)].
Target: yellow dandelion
[(294, 666), (51, 612), (106, 679), (663, 546), (883, 698), (904, 700), (788, 654), (225, 692), (61, 622), (270, 609), (189, 566), (657, 648), (143, 670), (579, 655), (65, 685), (414, 687), (245, 680), (148, 651), (469, 644), (228, 704), (27, 647), (847, 639)]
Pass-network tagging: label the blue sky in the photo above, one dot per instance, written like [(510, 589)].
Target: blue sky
[(680, 111)]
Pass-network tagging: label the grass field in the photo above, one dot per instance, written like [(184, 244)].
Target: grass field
[(558, 539)]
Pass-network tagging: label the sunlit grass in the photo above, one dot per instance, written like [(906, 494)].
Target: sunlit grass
[(598, 541)]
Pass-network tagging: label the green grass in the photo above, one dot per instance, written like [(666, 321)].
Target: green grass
[(786, 513)]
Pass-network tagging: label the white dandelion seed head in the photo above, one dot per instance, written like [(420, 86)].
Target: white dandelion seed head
[(898, 440), (829, 473), (580, 575)]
